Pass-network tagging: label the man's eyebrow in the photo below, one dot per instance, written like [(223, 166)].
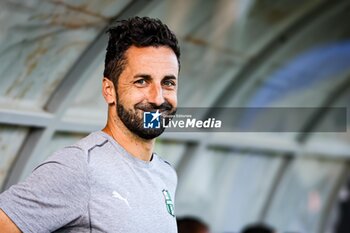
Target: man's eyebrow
[(145, 76), (170, 77), (148, 77)]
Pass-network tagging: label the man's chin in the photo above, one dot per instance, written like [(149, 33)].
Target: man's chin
[(149, 134)]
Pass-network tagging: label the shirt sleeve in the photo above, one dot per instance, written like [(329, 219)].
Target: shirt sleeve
[(55, 194)]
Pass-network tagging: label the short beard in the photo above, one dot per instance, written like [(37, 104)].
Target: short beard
[(135, 123)]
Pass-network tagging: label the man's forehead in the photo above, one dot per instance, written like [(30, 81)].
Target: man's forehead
[(161, 58), (151, 52)]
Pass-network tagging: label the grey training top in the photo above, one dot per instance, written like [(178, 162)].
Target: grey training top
[(94, 186)]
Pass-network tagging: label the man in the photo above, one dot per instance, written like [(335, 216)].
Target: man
[(111, 181)]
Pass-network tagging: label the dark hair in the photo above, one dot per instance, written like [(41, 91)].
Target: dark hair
[(137, 31), (258, 228), (190, 225)]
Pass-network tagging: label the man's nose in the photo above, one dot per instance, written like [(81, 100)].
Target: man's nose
[(155, 95)]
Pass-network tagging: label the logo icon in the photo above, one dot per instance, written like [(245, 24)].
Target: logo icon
[(168, 202), (151, 120), (115, 194)]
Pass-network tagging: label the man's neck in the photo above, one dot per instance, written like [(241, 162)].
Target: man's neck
[(136, 146)]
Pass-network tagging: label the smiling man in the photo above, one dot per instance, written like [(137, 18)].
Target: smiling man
[(111, 181)]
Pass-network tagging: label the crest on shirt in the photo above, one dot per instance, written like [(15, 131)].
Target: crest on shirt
[(168, 202)]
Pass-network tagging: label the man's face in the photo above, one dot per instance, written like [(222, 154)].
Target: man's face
[(148, 83)]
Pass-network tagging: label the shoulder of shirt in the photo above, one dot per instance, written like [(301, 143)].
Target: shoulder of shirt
[(88, 143), (78, 151)]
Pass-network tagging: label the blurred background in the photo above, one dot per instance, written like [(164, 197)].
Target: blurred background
[(235, 53)]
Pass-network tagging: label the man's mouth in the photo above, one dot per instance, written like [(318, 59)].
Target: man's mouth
[(164, 112), (161, 110), (164, 108)]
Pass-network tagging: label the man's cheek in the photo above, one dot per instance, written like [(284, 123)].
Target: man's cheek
[(173, 100)]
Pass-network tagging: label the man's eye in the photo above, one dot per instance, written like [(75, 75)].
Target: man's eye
[(169, 83), (140, 81)]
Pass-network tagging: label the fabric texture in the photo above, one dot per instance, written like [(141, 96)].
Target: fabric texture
[(94, 186)]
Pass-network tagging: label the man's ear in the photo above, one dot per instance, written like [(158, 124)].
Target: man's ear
[(108, 91)]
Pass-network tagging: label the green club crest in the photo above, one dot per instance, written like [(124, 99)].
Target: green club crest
[(168, 202)]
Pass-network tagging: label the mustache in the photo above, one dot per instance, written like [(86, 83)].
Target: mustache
[(151, 107)]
